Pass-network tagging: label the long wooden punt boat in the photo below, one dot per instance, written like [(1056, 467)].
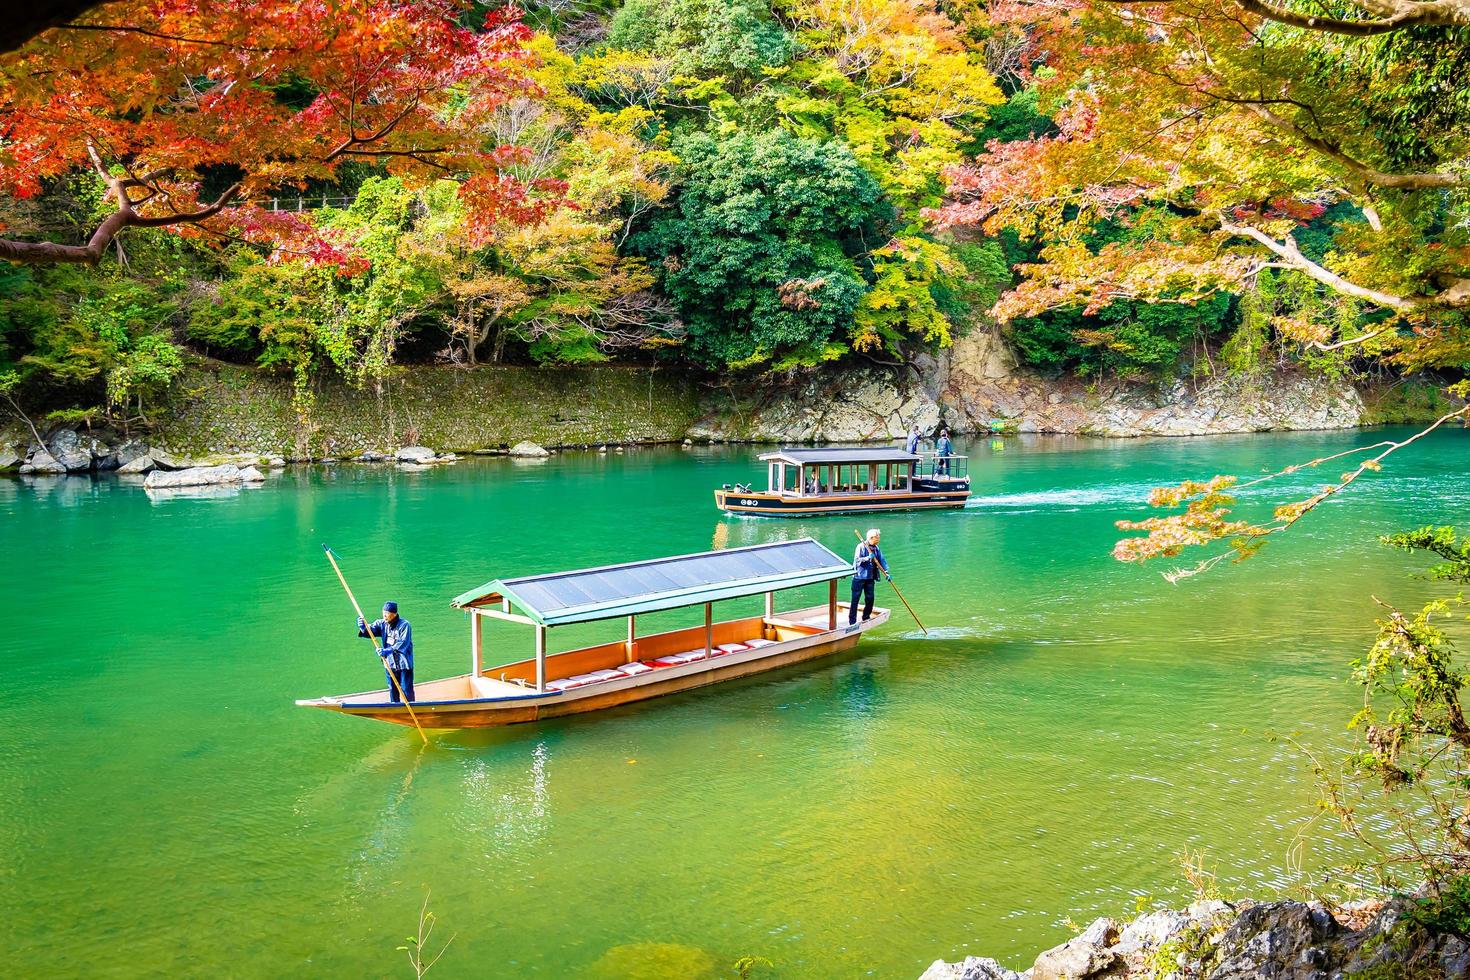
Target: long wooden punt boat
[(550, 685), (804, 482)]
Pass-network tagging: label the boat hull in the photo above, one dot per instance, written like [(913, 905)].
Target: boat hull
[(765, 504), (462, 713)]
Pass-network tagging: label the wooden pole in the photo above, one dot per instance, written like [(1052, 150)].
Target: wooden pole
[(541, 660), (348, 589), (632, 637), (477, 635), (709, 629), (897, 591)]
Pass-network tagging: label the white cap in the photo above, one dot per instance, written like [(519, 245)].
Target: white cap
[(872, 533)]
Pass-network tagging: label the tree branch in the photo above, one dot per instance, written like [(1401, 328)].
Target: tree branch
[(1404, 13), (41, 253), (1455, 296), (1360, 170)]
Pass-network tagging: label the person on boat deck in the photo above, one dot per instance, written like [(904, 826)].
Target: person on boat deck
[(943, 449), (911, 446), (397, 652), (866, 562), (812, 485)]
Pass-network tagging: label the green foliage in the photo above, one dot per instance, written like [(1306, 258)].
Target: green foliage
[(902, 301), (143, 371), (703, 38), (1018, 118), (1444, 912), (1440, 541), (746, 966), (1126, 338), (1248, 349), (758, 250)]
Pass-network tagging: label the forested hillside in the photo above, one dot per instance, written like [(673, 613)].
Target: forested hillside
[(745, 188)]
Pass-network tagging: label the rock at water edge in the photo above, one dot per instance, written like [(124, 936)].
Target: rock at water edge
[(422, 455), (67, 449), (528, 450), (973, 968), (42, 462), (139, 464), (201, 476)]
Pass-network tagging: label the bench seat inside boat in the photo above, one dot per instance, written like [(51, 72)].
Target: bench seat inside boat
[(602, 664)]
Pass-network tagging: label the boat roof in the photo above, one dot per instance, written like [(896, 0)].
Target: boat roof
[(841, 454), (561, 598)]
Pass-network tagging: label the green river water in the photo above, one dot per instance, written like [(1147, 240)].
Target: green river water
[(1071, 726)]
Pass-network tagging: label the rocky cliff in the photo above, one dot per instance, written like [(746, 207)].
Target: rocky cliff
[(228, 414), (976, 387), (1216, 940)]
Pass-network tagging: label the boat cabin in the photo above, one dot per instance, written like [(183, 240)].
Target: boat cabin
[(633, 666), (802, 482)]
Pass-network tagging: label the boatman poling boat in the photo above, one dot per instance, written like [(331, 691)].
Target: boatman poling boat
[(804, 482), (549, 685)]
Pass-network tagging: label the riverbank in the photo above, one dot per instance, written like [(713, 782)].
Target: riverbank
[(1217, 940), (222, 413)]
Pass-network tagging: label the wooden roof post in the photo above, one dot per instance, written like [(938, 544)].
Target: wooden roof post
[(477, 654), (709, 629), (832, 604), (540, 659), (632, 639)]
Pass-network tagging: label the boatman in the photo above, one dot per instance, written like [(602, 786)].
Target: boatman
[(397, 652), (866, 562), (943, 450), (911, 446)]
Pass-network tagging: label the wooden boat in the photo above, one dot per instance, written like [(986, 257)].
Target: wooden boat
[(549, 685), (804, 482)]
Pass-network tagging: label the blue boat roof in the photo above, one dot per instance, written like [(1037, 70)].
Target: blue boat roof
[(561, 598)]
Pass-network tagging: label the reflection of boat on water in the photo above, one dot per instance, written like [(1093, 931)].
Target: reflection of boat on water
[(804, 482), (639, 667)]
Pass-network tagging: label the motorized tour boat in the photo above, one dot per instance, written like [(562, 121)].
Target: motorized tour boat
[(804, 482)]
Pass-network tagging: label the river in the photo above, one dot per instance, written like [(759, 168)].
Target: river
[(1069, 729)]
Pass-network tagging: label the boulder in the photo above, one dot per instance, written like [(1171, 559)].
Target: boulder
[(9, 460), (1090, 954), (971, 968), (124, 454), (1278, 941), (165, 460), (528, 450), (202, 476), (138, 464), (42, 462), (421, 455), (67, 448)]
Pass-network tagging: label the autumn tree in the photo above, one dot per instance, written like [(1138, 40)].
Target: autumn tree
[(1232, 126), (193, 114)]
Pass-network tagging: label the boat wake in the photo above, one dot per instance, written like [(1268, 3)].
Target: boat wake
[(1120, 493)]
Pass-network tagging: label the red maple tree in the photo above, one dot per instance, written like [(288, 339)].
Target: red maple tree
[(194, 111)]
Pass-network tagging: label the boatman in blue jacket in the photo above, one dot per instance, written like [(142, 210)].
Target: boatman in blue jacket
[(397, 652), (866, 562)]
